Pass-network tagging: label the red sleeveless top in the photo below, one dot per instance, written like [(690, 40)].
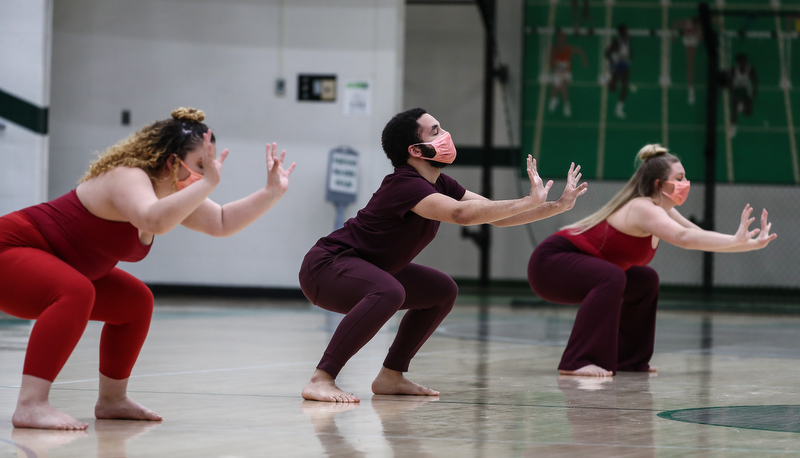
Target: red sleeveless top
[(88, 243), (605, 242)]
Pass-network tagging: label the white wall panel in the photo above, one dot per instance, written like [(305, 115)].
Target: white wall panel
[(224, 57), (25, 27)]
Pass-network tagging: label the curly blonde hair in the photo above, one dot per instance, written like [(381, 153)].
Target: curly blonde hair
[(149, 148), (654, 163)]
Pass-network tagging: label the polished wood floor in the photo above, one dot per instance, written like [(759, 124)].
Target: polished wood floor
[(227, 374)]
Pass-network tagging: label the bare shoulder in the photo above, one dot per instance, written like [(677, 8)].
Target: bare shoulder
[(124, 172), (108, 182), (632, 217), (102, 195), (644, 204)]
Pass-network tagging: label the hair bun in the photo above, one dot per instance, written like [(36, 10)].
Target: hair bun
[(188, 114), (649, 151)]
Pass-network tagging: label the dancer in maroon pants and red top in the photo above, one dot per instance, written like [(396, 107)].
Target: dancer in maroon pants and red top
[(364, 270), (601, 262), (57, 258)]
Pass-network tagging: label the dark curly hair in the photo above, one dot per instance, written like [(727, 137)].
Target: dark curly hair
[(400, 132)]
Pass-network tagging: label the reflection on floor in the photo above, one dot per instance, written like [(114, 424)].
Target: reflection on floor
[(226, 375)]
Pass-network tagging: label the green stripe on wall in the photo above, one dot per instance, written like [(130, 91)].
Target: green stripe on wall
[(23, 113)]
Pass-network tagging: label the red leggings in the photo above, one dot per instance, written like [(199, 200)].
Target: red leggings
[(35, 284), (615, 326), (369, 296)]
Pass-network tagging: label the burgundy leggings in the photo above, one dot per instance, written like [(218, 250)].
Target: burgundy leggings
[(369, 296), (35, 284), (616, 322)]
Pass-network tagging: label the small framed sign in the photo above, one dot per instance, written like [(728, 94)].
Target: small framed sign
[(316, 88)]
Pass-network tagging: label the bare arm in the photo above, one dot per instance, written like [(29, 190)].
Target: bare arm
[(680, 219), (654, 220), (478, 210), (223, 221)]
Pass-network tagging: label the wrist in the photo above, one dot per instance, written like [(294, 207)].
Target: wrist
[(561, 205)]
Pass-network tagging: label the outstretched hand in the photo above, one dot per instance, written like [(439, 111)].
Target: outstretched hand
[(212, 167), (277, 177), (538, 190), (759, 236), (572, 190), (764, 237)]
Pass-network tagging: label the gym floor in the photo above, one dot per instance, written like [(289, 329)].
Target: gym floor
[(226, 375)]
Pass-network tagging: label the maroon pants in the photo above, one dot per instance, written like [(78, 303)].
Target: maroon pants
[(369, 296), (616, 322)]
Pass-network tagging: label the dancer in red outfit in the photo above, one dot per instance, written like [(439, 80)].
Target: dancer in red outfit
[(601, 262), (364, 269), (57, 259)]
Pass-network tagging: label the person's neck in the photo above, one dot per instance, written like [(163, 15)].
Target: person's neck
[(425, 169), (662, 201)]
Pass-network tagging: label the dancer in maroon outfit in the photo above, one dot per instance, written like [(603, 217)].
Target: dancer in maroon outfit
[(601, 262), (57, 259), (364, 270)]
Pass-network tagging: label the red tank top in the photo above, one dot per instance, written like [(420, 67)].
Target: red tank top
[(88, 243), (563, 58), (605, 242)]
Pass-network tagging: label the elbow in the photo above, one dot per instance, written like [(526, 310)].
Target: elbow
[(684, 240), (463, 218), (155, 227), (221, 233)]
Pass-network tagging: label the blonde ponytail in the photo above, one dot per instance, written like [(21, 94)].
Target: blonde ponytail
[(654, 163)]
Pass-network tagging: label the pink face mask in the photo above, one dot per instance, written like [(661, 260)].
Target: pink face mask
[(444, 147), (193, 176), (680, 193)]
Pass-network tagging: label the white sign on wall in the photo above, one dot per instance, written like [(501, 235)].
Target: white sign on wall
[(357, 98), (342, 175)]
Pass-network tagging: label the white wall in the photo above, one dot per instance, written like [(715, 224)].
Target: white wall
[(223, 56), (151, 56), (25, 56)]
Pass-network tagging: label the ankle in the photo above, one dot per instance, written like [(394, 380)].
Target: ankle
[(28, 402), (111, 398), (389, 373), (321, 376)]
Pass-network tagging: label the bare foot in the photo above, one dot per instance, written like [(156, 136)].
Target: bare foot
[(393, 382), (123, 409), (322, 387), (653, 369), (588, 371), (41, 415)]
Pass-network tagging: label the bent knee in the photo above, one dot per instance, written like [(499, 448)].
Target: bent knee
[(141, 298), (647, 276), (449, 289), (78, 295), (393, 294)]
